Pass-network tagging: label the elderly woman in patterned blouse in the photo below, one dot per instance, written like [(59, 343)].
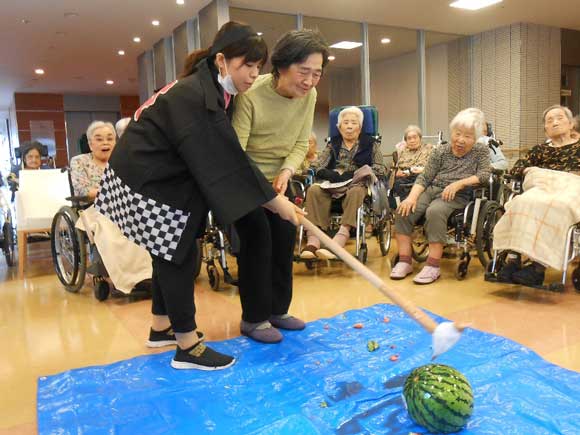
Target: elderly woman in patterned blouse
[(338, 162), (411, 161), (87, 169), (443, 187)]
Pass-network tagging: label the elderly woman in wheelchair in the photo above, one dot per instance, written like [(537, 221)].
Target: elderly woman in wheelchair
[(542, 223), (411, 160), (446, 185), (112, 256), (346, 167)]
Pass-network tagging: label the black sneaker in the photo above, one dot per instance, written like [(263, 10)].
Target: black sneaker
[(166, 338), (201, 357), (505, 274), (531, 276)]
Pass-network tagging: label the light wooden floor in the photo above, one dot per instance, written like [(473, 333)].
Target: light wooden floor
[(44, 330)]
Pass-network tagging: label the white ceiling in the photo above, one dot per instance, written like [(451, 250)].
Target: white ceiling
[(81, 59)]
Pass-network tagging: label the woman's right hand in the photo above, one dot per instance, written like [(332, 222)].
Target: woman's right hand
[(407, 206), (287, 210), (400, 173)]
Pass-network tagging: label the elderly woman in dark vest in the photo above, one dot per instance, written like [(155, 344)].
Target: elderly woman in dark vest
[(338, 162)]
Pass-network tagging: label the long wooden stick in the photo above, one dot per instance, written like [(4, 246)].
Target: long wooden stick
[(409, 307)]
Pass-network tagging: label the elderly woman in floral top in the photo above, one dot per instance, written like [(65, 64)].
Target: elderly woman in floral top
[(87, 169)]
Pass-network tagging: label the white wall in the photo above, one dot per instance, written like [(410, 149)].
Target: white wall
[(437, 91), (394, 92)]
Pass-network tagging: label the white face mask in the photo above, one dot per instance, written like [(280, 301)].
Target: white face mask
[(227, 82)]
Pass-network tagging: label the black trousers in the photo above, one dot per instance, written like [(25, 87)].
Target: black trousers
[(265, 264), (172, 291)]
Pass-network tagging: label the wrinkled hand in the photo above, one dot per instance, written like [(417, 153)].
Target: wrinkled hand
[(407, 207), (401, 173), (280, 183), (450, 191), (287, 210)]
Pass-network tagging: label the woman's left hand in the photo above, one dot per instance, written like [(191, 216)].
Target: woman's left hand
[(450, 191), (280, 183)]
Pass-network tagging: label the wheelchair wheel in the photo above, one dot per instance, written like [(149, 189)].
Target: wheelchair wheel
[(198, 258), (576, 278), (490, 213), (101, 288), (461, 271), (384, 237), (214, 276), (8, 242), (68, 249), (362, 254)]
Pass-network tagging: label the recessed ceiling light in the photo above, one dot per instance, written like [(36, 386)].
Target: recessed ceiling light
[(180, 2), (70, 15), (110, 82), (39, 71), (155, 22), (331, 57), (386, 41), (25, 21), (259, 33), (121, 52), (473, 5), (346, 45), (136, 39)]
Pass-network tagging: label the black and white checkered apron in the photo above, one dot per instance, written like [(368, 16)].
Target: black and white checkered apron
[(155, 226)]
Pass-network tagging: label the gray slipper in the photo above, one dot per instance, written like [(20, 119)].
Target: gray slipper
[(263, 332)]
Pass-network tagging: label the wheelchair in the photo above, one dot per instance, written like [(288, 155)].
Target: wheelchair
[(7, 233), (74, 253), (512, 186), (469, 229), (212, 249), (374, 211)]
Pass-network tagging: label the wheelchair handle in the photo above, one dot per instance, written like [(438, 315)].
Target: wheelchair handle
[(409, 307)]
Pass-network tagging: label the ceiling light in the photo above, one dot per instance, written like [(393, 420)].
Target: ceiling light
[(473, 5), (259, 33), (346, 45), (136, 39), (180, 2), (155, 22), (39, 71), (110, 82), (331, 57), (386, 41), (70, 15), (25, 21), (121, 52)]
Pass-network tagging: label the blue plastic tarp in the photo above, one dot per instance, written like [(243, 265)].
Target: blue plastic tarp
[(322, 380)]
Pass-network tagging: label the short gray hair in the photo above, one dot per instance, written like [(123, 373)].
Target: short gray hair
[(355, 111), (99, 124), (469, 118), (121, 125), (566, 111), (412, 128)]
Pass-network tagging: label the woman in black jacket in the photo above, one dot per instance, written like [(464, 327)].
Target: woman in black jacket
[(178, 158)]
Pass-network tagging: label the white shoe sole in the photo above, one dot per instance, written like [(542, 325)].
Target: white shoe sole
[(181, 365), (426, 282), (154, 344), (325, 254)]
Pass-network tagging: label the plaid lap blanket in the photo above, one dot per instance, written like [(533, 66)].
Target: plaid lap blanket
[(536, 223)]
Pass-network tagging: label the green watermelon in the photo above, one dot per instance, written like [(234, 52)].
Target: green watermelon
[(439, 398)]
